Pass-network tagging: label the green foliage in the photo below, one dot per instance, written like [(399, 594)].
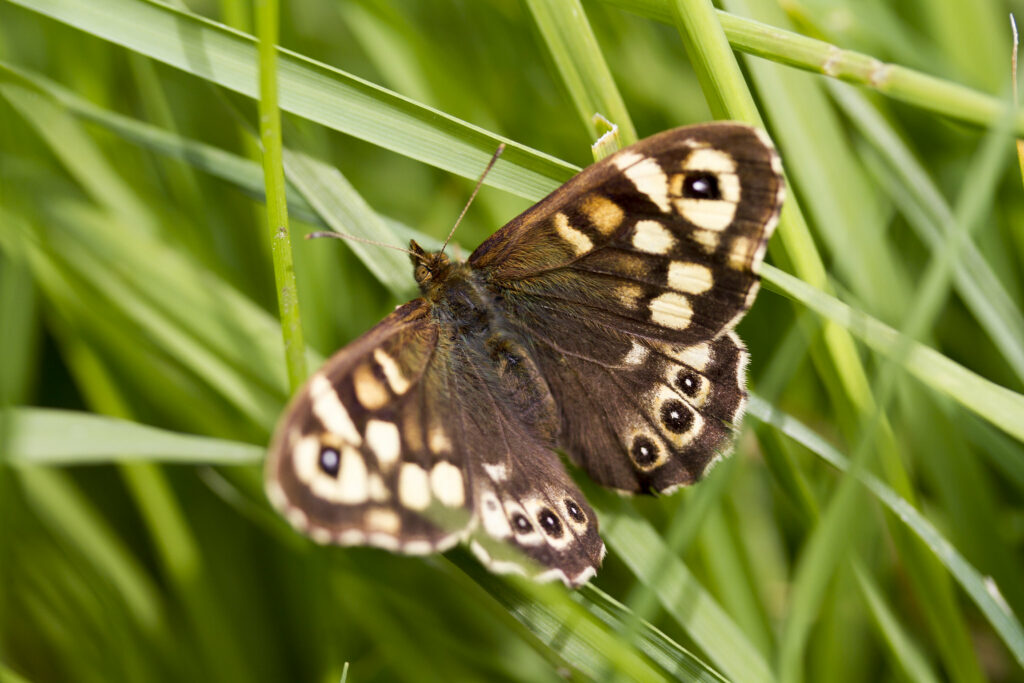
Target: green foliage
[(869, 526)]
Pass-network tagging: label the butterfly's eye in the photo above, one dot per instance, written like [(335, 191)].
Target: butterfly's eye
[(644, 451), (574, 511), (422, 273), (550, 523), (701, 185), (521, 523), (675, 416), (330, 461)]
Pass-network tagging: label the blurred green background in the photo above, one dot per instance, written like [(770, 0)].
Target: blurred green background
[(869, 525)]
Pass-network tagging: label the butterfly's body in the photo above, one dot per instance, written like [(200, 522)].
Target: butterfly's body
[(600, 322)]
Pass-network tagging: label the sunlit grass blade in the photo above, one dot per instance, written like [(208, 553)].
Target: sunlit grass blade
[(63, 437), (315, 91)]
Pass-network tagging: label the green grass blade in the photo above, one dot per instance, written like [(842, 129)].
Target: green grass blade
[(277, 205), (311, 90), (999, 405), (573, 47), (895, 81), (983, 591), (45, 436), (647, 556)]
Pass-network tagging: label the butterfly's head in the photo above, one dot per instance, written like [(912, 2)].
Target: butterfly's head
[(431, 267)]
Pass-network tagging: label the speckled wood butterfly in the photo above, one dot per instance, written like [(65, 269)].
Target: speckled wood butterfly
[(599, 322)]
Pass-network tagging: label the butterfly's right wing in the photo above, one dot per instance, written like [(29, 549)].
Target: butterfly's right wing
[(360, 455), (628, 281), (408, 440)]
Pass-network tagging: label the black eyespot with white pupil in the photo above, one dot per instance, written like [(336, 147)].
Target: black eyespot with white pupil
[(550, 523), (675, 416), (521, 523), (574, 511), (330, 461), (645, 451), (701, 185), (688, 382)]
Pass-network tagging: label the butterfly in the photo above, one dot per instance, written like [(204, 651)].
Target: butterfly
[(600, 322)]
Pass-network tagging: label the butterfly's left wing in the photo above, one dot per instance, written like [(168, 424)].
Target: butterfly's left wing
[(628, 281)]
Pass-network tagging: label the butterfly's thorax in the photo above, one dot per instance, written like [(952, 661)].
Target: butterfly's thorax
[(462, 303)]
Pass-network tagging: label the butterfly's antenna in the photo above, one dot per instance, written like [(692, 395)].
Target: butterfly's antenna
[(354, 238), (490, 165)]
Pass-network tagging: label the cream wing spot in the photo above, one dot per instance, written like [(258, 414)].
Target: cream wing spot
[(630, 295), (383, 540), (297, 518), (328, 408), (636, 355), (447, 484), (653, 238), (625, 159), (689, 278), (671, 310), (306, 459), (742, 253), (382, 520), (320, 535), (418, 547), (439, 441), (351, 487), (370, 391), (579, 242), (711, 160), (383, 439), (605, 214), (648, 178), (697, 356), (497, 472), (707, 214), (378, 490), (392, 373), (413, 487), (707, 239), (492, 515)]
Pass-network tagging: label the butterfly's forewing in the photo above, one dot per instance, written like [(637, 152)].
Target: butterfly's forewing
[(351, 462), (416, 436), (628, 281)]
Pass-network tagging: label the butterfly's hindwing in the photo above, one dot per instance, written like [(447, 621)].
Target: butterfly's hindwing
[(600, 321)]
